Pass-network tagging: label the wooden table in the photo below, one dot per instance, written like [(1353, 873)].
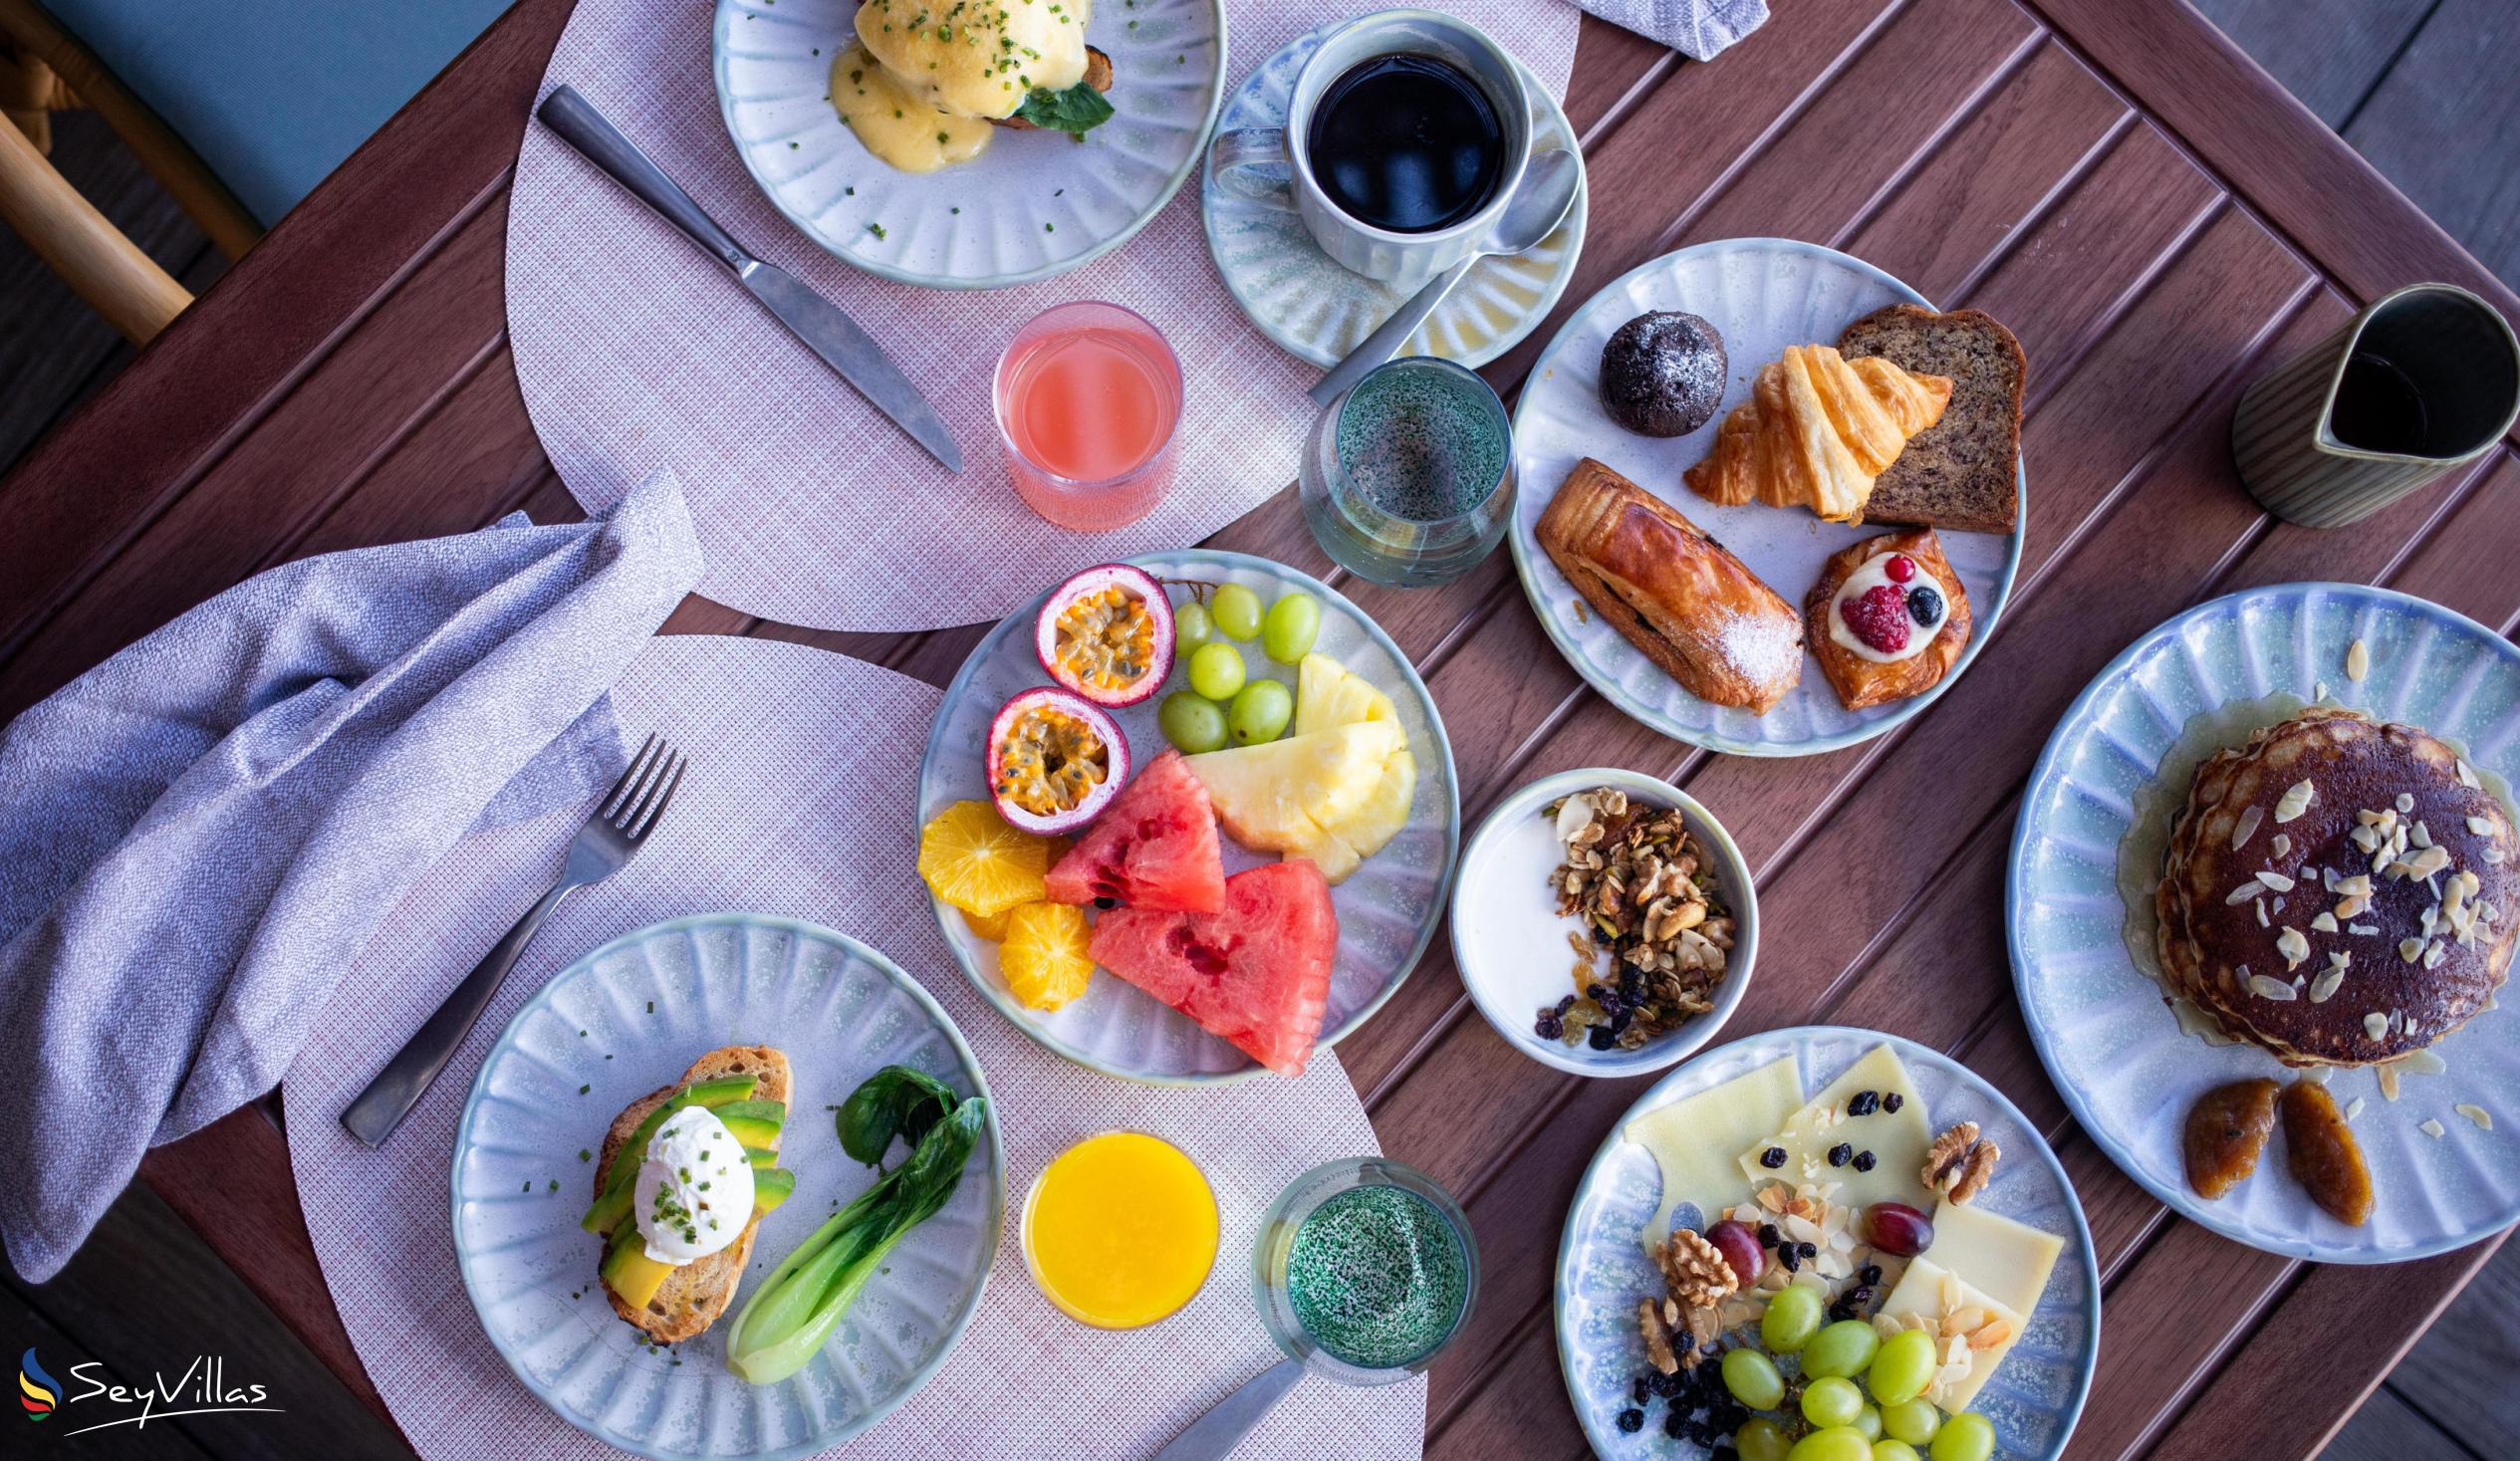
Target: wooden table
[(2151, 213)]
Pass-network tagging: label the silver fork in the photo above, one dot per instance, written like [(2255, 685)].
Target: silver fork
[(615, 832)]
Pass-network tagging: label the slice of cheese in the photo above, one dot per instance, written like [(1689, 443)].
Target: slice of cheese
[(1694, 1141), (1898, 1140), (1995, 1255), (1934, 1293)]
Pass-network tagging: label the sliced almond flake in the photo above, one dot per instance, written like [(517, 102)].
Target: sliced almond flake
[(2274, 879), (2326, 985), (2481, 826), (2364, 838), (2410, 950), (2247, 827), (2293, 945), (2421, 837), (2261, 912), (2492, 857), (2483, 1118), (2376, 1025), (2420, 1061), (2433, 954), (2318, 1075), (2351, 906), (2242, 894), (2318, 692), (2406, 802), (2468, 773), (2358, 660), (2295, 801), (2323, 923), (2274, 989), (2283, 843), (2432, 1127), (2389, 1083), (2357, 886), (2365, 929), (2354, 1108)]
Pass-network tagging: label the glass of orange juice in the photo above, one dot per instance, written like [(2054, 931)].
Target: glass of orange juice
[(1089, 408), (1120, 1230)]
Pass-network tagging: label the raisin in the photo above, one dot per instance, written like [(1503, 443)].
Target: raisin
[(1600, 1038), (1892, 1101), (1769, 1237), (1549, 1027), (1787, 1255), (1864, 1161), (1871, 1273), (1772, 1158), (1631, 1422), (1808, 1250), (1841, 1154), (1864, 1103)]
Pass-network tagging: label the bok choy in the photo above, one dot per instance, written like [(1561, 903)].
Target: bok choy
[(786, 1322)]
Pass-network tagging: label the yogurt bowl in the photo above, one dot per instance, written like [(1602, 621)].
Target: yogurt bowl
[(1511, 944)]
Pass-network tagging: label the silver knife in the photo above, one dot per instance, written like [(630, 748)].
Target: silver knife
[(847, 348)]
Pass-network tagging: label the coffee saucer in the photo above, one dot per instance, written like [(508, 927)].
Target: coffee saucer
[(1318, 311)]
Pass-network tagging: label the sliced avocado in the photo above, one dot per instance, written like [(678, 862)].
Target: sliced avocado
[(615, 1204), (771, 1188), (628, 1270), (754, 1131), (761, 1160), (775, 1113)]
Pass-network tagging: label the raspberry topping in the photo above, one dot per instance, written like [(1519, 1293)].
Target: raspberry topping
[(1901, 567), (1878, 617)]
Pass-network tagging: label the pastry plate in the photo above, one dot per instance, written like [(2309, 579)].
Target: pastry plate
[(1387, 908), (1762, 295), (2034, 1397), (656, 1000), (1035, 204), (1318, 311), (2115, 1049)]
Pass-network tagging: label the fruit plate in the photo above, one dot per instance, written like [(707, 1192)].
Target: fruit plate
[(2078, 910), (1388, 910), (1762, 295), (659, 999), (1035, 204), (2035, 1396)]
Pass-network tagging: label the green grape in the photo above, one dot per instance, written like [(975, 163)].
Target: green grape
[(1836, 1444), (1191, 722), (1793, 1317), (1192, 627), (1761, 1440), (1294, 623), (1216, 671), (1902, 1366), (1912, 1421), (1894, 1451), (1236, 610), (1753, 1379), (1869, 1421), (1832, 1401), (1843, 1347), (1260, 712), (1968, 1437)]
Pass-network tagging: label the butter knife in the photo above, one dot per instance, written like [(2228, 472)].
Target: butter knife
[(829, 334)]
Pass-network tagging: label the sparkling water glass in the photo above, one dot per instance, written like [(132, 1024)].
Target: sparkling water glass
[(1407, 478)]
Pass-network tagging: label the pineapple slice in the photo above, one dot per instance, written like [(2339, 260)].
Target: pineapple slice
[(1328, 694), (1283, 796)]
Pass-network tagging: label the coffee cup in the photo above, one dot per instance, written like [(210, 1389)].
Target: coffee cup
[(1425, 202)]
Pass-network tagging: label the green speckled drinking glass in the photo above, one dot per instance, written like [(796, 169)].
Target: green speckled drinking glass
[(1365, 1270)]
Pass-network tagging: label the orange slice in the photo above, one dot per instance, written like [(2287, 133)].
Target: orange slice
[(1044, 956), (974, 862)]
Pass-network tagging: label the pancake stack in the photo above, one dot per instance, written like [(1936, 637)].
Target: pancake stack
[(2339, 891)]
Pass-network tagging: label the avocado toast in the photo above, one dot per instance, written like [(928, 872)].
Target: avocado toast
[(746, 1087)]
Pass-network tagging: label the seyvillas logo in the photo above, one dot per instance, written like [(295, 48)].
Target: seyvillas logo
[(37, 1392)]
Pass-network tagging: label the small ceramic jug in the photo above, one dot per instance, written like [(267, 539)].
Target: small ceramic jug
[(2421, 382)]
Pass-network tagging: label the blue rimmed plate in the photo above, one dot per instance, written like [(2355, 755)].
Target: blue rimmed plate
[(2034, 1397), (1762, 295), (655, 1000), (1387, 909), (2085, 856)]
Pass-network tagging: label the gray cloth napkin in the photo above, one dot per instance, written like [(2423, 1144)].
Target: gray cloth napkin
[(199, 834), (1695, 28)]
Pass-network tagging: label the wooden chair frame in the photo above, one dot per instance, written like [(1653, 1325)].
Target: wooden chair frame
[(44, 69)]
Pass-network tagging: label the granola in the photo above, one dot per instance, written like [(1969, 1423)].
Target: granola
[(1641, 889)]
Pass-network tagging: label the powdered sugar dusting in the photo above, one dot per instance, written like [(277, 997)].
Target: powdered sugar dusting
[(1764, 648)]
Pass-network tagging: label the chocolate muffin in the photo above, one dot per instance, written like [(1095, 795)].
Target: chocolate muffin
[(1663, 374)]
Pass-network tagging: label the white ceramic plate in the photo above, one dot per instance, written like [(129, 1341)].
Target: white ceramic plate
[(2111, 1045), (1762, 295), (655, 1000), (1511, 946), (1318, 311), (1035, 204), (2034, 1397), (1387, 908)]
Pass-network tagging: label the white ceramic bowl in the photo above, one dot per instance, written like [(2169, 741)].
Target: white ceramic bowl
[(1511, 946)]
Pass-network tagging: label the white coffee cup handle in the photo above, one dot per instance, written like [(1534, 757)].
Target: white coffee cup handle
[(1235, 154)]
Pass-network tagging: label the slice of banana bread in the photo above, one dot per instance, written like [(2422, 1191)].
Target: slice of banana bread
[(1959, 472)]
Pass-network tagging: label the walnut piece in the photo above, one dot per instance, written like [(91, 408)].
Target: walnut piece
[(1959, 1164), (1658, 1335), (1695, 1271)]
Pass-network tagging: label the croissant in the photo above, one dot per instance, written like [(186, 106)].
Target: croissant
[(1817, 430)]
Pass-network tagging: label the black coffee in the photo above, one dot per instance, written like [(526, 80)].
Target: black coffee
[(1407, 144), (2379, 408)]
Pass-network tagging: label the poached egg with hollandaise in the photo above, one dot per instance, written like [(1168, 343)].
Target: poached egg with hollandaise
[(927, 80)]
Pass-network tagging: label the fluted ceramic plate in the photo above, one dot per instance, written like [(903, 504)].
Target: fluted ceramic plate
[(2084, 858), (1762, 295), (1035, 204), (2035, 1396), (1317, 310), (1387, 908), (655, 1001)]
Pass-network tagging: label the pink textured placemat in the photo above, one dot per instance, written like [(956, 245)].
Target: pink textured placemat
[(798, 803), (634, 350)]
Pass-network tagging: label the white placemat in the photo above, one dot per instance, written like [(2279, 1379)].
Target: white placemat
[(633, 350), (798, 803)]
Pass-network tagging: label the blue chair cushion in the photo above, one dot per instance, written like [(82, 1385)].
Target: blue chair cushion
[(274, 93)]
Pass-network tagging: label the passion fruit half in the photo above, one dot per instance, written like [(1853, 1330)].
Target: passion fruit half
[(1055, 760), (1106, 635)]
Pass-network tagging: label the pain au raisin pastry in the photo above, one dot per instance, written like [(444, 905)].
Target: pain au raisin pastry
[(1678, 596), (2338, 890), (1888, 619)]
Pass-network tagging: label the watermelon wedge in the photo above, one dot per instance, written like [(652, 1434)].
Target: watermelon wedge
[(1154, 848), (1256, 973)]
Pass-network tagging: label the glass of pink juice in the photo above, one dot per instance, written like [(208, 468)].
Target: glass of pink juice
[(1089, 405)]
